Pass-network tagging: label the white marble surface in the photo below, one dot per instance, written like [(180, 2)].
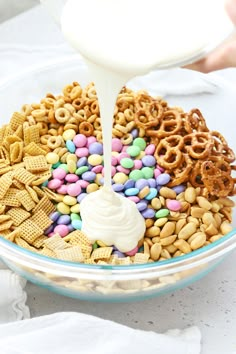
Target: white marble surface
[(209, 303)]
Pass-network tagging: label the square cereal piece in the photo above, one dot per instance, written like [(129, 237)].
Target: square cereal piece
[(124, 261), (19, 132), (41, 177), (5, 234), (30, 231), (18, 215), (5, 184), (5, 169), (11, 236), (141, 258), (8, 131), (2, 209), (24, 176), (36, 163), (41, 219), (22, 243), (34, 149), (10, 140), (10, 198), (46, 205), (4, 153), (2, 132), (47, 252), (39, 191), (26, 200), (31, 134), (17, 184), (86, 250), (38, 243), (52, 195), (77, 238), (5, 225), (16, 152), (56, 242), (89, 261), (32, 193), (72, 254), (102, 253), (16, 120)]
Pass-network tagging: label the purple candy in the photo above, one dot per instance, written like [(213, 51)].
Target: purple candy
[(141, 206), (82, 162), (101, 181), (117, 187), (81, 197), (148, 161), (118, 254), (63, 220), (163, 179), (134, 133), (55, 215), (89, 176), (148, 213), (70, 228), (152, 183), (49, 229), (141, 183), (179, 189), (129, 184), (96, 148), (121, 193)]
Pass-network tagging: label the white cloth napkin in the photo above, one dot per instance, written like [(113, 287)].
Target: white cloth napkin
[(12, 297), (73, 333)]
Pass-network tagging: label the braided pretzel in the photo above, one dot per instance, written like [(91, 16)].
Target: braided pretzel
[(198, 145), (169, 124), (168, 152), (221, 147), (181, 173), (194, 122)]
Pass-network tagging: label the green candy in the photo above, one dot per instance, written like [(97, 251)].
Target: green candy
[(140, 142), (95, 245), (162, 213), (136, 175), (64, 167), (81, 170), (127, 163), (55, 165), (75, 216), (133, 150), (147, 172)]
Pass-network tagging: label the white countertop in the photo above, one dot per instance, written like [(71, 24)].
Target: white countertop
[(209, 303)]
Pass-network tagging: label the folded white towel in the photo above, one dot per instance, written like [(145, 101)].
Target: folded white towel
[(73, 333), (12, 297)]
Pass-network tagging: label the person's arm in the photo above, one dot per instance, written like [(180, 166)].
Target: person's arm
[(224, 56)]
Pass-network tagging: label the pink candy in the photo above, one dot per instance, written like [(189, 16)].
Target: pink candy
[(59, 173), (97, 169), (150, 149), (116, 145), (132, 252), (134, 198), (80, 140), (122, 169), (157, 172), (173, 205), (82, 152), (71, 178), (114, 161), (137, 165), (113, 171), (82, 183), (54, 183), (62, 230), (62, 189), (90, 140), (160, 168), (124, 148), (74, 189)]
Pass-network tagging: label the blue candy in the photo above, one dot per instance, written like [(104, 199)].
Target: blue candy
[(152, 194), (83, 161), (141, 206), (129, 184), (70, 146), (163, 179), (77, 224), (117, 187), (131, 192), (152, 183), (54, 216)]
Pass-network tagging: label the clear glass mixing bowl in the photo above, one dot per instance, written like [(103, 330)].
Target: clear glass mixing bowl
[(215, 98)]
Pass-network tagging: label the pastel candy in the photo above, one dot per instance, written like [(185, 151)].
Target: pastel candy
[(80, 140), (173, 205), (163, 179), (59, 173), (74, 189), (62, 230)]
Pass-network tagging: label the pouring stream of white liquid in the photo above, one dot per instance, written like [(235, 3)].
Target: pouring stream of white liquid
[(126, 38)]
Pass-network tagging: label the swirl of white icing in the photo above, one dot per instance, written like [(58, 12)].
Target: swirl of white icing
[(112, 218)]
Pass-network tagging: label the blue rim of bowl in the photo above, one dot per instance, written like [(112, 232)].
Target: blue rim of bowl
[(186, 257)]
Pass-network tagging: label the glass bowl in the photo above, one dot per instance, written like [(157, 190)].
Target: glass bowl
[(215, 98)]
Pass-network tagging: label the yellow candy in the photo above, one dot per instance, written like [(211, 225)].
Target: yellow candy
[(68, 200), (52, 158), (93, 187), (71, 166), (75, 208), (63, 208), (95, 160), (101, 243), (97, 179), (140, 156), (115, 153), (71, 157), (120, 178), (69, 134)]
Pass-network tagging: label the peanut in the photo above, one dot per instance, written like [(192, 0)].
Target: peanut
[(152, 231), (160, 222), (187, 231), (204, 203), (190, 195), (168, 229), (168, 240), (198, 241), (167, 193), (155, 251), (183, 246), (225, 227)]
